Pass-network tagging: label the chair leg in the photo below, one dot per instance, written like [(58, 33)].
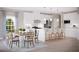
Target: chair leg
[(33, 43), (11, 43), (35, 40), (30, 43), (18, 43), (24, 43), (27, 44)]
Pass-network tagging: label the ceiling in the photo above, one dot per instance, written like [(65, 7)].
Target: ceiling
[(43, 9)]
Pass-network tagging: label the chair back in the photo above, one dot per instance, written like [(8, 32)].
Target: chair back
[(30, 35), (10, 36)]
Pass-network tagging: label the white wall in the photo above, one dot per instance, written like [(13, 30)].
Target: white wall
[(1, 21), (20, 20), (69, 30), (29, 17)]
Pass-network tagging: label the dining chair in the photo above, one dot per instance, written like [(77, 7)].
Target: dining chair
[(29, 39), (13, 39)]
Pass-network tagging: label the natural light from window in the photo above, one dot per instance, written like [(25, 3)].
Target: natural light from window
[(13, 19)]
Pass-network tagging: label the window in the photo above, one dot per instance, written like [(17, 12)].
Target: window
[(10, 23)]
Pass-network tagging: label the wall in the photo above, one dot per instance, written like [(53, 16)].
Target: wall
[(1, 21), (30, 17), (20, 20), (69, 30)]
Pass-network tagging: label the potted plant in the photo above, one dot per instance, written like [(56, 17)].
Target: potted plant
[(21, 31)]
